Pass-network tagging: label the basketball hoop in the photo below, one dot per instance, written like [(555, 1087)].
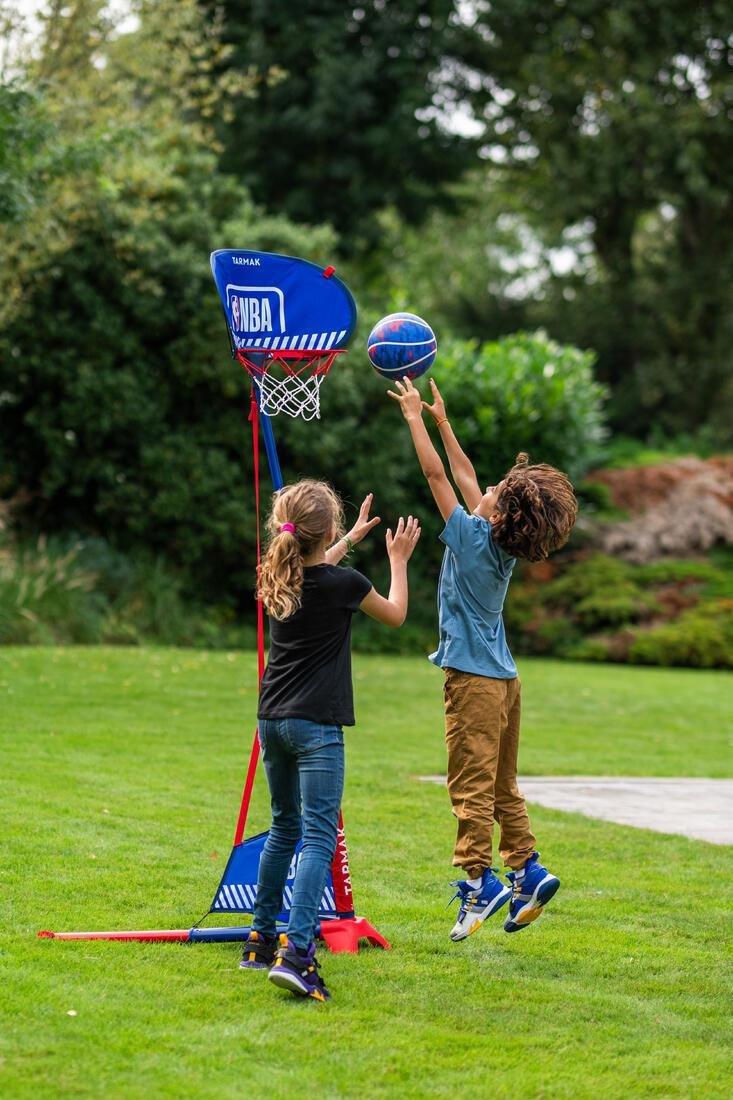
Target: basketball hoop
[(288, 381)]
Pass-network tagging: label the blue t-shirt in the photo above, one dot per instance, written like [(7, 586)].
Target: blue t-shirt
[(474, 578)]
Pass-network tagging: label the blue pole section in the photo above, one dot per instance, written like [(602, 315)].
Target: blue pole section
[(270, 449)]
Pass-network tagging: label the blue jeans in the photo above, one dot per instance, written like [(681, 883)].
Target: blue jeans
[(304, 764)]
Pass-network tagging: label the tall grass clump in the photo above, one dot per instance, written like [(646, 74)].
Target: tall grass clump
[(55, 591), (47, 596)]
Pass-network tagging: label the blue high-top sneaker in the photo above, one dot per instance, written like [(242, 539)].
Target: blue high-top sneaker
[(532, 888), (477, 903), (298, 971)]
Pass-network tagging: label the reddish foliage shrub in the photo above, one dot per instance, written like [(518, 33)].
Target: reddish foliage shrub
[(678, 508)]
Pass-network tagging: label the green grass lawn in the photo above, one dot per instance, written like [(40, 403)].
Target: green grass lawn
[(120, 780)]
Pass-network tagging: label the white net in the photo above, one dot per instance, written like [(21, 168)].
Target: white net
[(289, 383), (293, 394)]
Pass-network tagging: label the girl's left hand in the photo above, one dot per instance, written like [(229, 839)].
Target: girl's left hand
[(363, 524)]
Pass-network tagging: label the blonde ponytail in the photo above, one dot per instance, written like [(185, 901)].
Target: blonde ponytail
[(315, 511)]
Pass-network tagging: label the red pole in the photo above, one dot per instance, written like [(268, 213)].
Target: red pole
[(342, 893)]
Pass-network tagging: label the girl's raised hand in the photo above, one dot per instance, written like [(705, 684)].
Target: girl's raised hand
[(437, 409), (409, 399), (403, 542), (363, 524)]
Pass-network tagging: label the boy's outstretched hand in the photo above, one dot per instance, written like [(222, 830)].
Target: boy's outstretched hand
[(409, 399), (403, 542), (437, 409)]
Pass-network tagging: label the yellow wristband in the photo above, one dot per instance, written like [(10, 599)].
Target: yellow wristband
[(443, 421)]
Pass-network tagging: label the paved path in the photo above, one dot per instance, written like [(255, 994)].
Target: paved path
[(699, 808)]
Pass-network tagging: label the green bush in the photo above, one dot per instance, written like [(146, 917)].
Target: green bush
[(588, 579), (699, 638), (600, 593), (600, 608), (678, 572), (623, 451), (525, 392), (625, 604)]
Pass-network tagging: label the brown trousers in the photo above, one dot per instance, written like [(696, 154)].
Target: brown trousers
[(482, 736)]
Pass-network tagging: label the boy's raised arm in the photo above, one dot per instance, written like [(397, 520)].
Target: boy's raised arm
[(460, 464), (430, 461)]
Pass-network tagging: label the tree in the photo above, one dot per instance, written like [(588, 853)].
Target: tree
[(344, 113), (614, 119), (121, 414)]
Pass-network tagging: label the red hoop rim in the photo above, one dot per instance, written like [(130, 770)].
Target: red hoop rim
[(270, 356)]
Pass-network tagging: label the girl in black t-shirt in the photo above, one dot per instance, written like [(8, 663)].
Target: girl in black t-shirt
[(305, 700)]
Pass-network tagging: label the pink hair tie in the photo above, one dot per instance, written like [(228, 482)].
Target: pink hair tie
[(287, 527)]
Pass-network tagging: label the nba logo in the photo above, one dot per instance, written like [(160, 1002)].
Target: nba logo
[(256, 310)]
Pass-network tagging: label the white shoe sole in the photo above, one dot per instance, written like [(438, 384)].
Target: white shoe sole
[(473, 921), (285, 979)]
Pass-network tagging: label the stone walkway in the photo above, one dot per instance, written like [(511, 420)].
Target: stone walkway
[(698, 808)]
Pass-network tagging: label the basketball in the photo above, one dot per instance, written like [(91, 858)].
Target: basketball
[(400, 345)]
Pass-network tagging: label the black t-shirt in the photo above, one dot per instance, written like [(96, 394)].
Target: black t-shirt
[(308, 672)]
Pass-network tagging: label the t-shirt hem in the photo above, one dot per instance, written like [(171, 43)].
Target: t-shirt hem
[(331, 720), (474, 671)]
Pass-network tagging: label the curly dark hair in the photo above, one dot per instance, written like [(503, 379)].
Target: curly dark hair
[(537, 509)]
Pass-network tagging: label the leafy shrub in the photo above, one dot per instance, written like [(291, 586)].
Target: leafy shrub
[(622, 451), (603, 609), (586, 577), (678, 572), (599, 592), (596, 498), (700, 638), (525, 392)]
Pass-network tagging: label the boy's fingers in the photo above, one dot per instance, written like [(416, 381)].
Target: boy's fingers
[(391, 393)]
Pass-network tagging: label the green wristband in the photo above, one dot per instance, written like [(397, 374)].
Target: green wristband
[(349, 543)]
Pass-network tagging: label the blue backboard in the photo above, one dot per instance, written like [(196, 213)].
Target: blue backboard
[(281, 303)]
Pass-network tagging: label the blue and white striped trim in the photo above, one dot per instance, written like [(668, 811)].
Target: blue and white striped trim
[(309, 341), (240, 898)]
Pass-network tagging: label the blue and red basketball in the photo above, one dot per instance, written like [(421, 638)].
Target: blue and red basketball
[(402, 344)]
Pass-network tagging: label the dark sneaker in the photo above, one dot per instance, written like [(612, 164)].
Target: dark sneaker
[(478, 903), (298, 971), (259, 952), (531, 891)]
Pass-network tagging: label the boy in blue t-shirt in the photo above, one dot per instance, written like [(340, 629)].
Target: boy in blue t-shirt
[(527, 515)]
